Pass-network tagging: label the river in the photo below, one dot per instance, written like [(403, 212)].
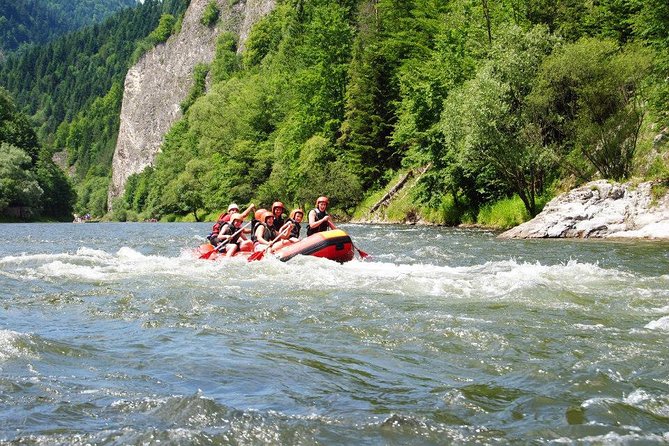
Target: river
[(112, 333)]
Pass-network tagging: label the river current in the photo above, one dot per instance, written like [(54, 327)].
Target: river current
[(113, 334)]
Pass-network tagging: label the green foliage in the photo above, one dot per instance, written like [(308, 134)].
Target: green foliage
[(92, 193), (90, 138), (497, 98), (29, 179), (199, 86), (658, 191), (15, 128), (18, 183), (321, 173), (659, 169), (53, 83), (226, 61), (265, 36), (589, 98), (164, 29), (39, 21), (210, 14), (503, 214), (73, 87), (485, 124), (59, 195)]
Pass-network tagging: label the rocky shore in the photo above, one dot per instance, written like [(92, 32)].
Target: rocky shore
[(601, 209)]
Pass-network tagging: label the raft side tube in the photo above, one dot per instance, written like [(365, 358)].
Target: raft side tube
[(334, 245)]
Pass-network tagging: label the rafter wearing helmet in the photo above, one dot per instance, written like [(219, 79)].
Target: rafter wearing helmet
[(319, 219), (296, 216), (225, 218), (277, 210), (232, 237)]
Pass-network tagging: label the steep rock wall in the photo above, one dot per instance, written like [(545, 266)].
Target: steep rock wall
[(162, 78)]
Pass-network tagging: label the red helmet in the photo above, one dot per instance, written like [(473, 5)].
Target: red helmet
[(322, 200), (277, 204), (259, 214), (296, 211), (267, 215)]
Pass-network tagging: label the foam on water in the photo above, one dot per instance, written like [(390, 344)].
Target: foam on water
[(10, 345), (492, 279), (661, 324)]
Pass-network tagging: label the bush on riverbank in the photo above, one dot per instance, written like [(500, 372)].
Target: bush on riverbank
[(503, 214)]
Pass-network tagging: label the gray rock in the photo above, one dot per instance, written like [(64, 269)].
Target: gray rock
[(600, 209)]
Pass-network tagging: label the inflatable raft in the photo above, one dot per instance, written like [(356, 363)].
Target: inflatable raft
[(334, 245)]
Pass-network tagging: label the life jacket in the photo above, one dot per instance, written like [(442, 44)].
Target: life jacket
[(269, 233), (216, 229), (323, 226), (254, 226), (229, 229), (278, 222), (295, 232), (219, 222)]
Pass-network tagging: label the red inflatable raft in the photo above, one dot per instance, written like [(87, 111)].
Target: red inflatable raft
[(334, 245)]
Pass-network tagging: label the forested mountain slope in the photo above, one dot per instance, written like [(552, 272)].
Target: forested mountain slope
[(72, 88), (501, 100), (40, 21)]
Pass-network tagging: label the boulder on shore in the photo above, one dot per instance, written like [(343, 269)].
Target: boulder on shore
[(600, 209)]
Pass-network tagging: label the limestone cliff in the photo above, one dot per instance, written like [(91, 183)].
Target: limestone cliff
[(162, 78), (601, 210)]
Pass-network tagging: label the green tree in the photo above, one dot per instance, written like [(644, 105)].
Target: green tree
[(164, 29), (589, 98), (210, 14), (226, 61), (15, 129), (199, 86), (59, 195), (485, 121), (321, 173), (18, 183)]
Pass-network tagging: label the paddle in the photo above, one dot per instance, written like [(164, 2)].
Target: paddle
[(260, 254), (206, 255), (363, 254)]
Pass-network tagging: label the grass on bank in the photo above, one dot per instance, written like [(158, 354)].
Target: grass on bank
[(503, 214)]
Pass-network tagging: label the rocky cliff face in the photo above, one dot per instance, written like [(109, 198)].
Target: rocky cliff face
[(601, 209), (162, 78)]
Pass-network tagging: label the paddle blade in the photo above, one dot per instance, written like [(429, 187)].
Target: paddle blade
[(208, 254), (363, 254), (256, 256)]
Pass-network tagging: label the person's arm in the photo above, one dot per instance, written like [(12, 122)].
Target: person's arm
[(248, 210), (330, 222), (260, 235), (286, 229), (313, 223)]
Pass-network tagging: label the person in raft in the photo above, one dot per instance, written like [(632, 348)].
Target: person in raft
[(279, 223), (233, 235), (265, 234), (319, 219), (296, 216), (225, 218), (277, 210)]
